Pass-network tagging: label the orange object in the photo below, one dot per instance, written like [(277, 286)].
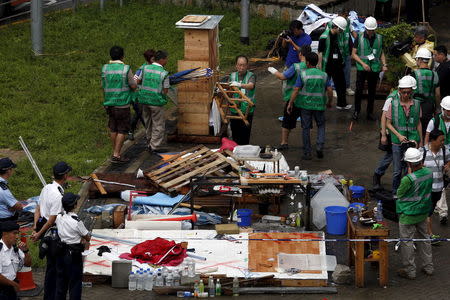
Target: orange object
[(25, 278), (192, 217)]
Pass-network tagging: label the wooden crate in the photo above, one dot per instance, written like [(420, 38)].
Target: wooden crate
[(202, 45)]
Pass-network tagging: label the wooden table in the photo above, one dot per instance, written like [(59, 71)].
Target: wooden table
[(356, 250)]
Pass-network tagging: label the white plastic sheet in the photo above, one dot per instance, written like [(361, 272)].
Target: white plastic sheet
[(328, 195)]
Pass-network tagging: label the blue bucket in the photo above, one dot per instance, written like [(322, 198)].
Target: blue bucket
[(336, 219), (244, 217), (357, 191), (355, 204)]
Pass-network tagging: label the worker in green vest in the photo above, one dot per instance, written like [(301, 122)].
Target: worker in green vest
[(370, 61), (403, 122), (289, 77), (244, 80), (153, 96), (413, 206), (315, 93), (117, 83), (383, 10), (428, 91), (333, 51)]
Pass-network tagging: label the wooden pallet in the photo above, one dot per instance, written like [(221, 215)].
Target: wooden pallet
[(172, 174), (225, 102)]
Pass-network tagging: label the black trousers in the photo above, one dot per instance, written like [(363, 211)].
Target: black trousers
[(361, 78), (383, 10), (137, 116), (428, 108), (50, 278), (337, 74), (70, 273), (240, 131), (7, 293)]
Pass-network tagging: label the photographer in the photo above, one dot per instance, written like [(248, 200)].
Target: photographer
[(294, 39), (13, 257), (403, 121)]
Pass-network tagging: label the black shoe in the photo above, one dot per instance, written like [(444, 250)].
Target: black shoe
[(282, 147), (307, 156), (370, 117), (376, 182), (444, 220), (355, 115), (319, 153)]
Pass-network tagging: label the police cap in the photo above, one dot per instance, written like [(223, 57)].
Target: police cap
[(8, 226), (69, 199), (6, 163), (61, 168)]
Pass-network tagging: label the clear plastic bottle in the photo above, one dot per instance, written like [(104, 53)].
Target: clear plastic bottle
[(169, 279), (148, 281), (159, 280), (218, 288), (201, 287), (176, 277), (379, 214), (132, 282), (211, 287), (191, 268), (235, 286), (140, 281)]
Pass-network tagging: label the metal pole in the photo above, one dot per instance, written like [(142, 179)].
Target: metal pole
[(74, 5), (245, 16), (102, 5), (36, 27), (32, 161)]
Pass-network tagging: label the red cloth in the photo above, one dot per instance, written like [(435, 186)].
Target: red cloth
[(153, 251), (227, 144)]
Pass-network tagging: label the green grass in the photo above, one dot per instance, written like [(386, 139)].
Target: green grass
[(55, 101)]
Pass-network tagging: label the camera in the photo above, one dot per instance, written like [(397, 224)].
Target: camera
[(407, 144), (286, 33)]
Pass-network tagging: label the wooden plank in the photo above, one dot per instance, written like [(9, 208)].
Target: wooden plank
[(303, 282), (173, 158), (180, 171), (190, 64), (201, 85), (194, 118), (176, 163), (98, 184), (194, 97), (211, 171), (193, 19), (196, 129), (193, 108), (198, 139), (191, 174), (196, 44)]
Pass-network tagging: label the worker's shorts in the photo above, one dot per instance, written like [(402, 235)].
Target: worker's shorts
[(119, 119), (290, 120)]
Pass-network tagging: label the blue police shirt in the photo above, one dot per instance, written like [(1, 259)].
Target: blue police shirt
[(7, 201), (292, 55)]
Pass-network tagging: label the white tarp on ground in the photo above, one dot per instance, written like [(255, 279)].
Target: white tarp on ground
[(230, 258)]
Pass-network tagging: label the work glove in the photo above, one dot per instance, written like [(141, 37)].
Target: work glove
[(272, 70), (236, 84)]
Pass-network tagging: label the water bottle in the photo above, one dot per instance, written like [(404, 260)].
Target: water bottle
[(176, 278), (235, 286), (159, 281), (218, 288), (379, 214), (169, 279), (191, 268), (148, 281), (140, 281), (132, 282), (211, 287)]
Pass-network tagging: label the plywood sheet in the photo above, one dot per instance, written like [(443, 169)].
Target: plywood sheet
[(263, 254), (194, 19)]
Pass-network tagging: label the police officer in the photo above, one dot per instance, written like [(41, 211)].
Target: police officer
[(12, 258), (75, 238), (9, 206), (49, 207)]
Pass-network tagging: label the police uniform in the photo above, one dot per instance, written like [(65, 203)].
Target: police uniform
[(11, 261), (69, 263), (7, 199)]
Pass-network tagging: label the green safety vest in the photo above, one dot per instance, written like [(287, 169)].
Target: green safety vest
[(343, 40), (364, 50), (417, 201), (249, 93), (116, 90), (288, 85), (426, 84), (405, 126), (151, 90), (442, 128), (312, 95)]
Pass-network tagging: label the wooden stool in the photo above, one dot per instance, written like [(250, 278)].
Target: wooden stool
[(356, 250)]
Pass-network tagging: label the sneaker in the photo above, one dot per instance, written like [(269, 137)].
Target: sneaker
[(349, 92), (282, 147), (444, 220), (340, 107), (348, 106), (119, 159), (130, 136), (402, 273), (319, 153), (427, 272), (307, 156), (436, 238)]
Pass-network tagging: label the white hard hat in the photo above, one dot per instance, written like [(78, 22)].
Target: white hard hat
[(407, 82), (340, 22), (423, 53), (413, 155), (445, 103), (370, 23)]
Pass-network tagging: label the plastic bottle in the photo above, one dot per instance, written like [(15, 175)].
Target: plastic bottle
[(379, 214), (218, 288), (191, 268), (298, 217), (235, 286), (176, 277), (140, 281), (211, 287), (149, 281), (169, 279), (132, 282), (159, 281), (201, 287), (196, 291)]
